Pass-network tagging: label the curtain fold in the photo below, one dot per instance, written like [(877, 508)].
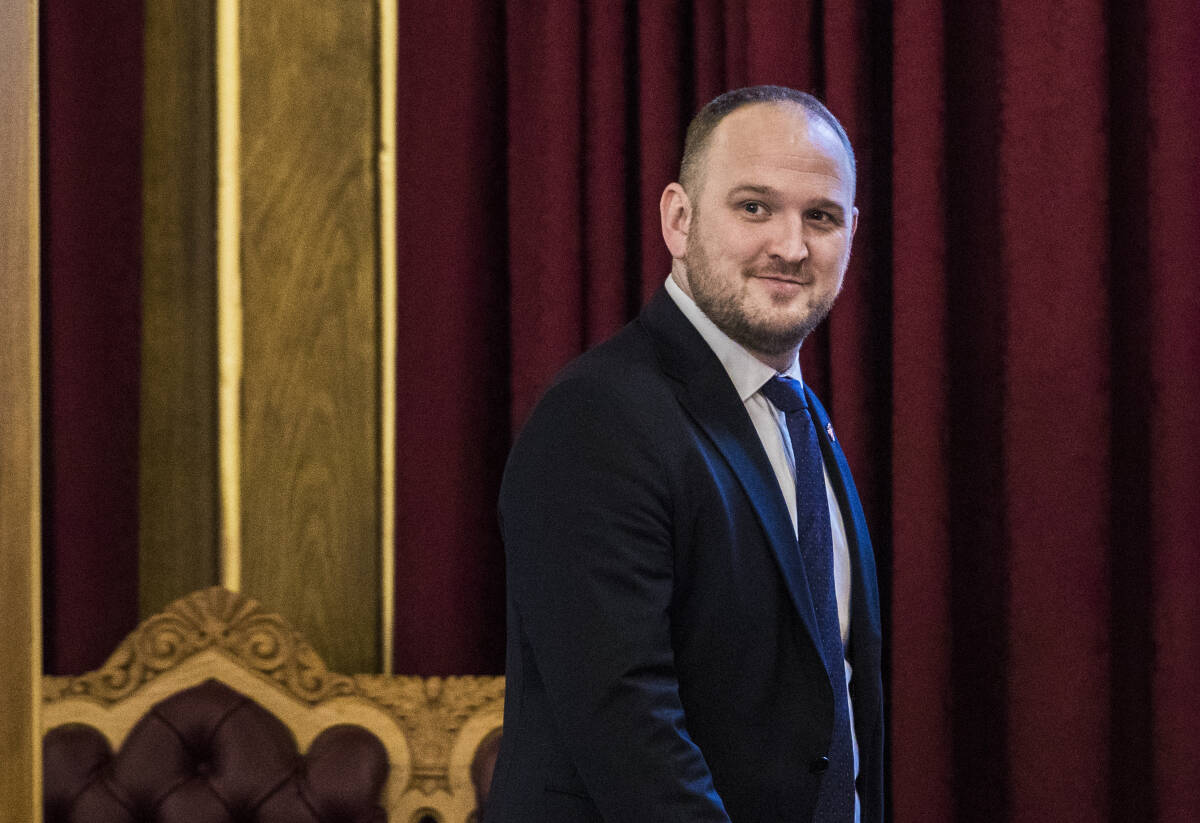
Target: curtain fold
[(921, 733), (452, 373), (1172, 734)]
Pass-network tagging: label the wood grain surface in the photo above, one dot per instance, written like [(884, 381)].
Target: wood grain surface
[(20, 498), (309, 250)]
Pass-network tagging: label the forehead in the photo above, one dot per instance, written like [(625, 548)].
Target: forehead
[(780, 141)]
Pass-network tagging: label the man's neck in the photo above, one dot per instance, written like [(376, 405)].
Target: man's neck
[(779, 362)]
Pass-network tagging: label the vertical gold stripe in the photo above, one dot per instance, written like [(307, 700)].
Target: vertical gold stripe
[(229, 289), (387, 327), (35, 415), (35, 519)]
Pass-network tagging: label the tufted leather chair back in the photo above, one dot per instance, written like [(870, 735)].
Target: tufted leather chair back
[(210, 754)]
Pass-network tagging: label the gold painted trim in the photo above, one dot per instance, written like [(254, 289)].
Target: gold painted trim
[(229, 290), (388, 52), (35, 412)]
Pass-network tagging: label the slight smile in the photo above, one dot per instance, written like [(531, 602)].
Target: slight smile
[(783, 281)]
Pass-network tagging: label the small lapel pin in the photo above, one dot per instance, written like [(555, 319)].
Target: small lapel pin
[(829, 431)]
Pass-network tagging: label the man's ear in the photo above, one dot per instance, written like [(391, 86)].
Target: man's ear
[(675, 212), (854, 222)]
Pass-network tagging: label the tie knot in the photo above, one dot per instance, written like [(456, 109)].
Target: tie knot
[(786, 393)]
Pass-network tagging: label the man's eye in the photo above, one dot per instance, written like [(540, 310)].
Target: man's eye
[(752, 208), (824, 218)]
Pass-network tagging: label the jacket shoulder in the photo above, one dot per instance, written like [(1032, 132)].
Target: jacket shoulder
[(620, 375)]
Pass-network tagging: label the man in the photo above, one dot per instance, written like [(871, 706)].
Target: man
[(693, 615)]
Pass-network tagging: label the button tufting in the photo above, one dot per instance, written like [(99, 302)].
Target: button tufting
[(819, 765), (167, 765)]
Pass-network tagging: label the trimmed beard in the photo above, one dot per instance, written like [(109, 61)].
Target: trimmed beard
[(724, 307)]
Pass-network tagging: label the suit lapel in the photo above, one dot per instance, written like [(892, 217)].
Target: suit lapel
[(705, 392)]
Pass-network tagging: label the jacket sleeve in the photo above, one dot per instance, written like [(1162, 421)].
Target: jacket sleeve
[(586, 514)]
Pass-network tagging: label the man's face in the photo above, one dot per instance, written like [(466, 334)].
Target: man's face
[(769, 236)]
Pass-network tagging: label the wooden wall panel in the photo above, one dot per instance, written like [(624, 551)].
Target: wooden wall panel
[(309, 267), (20, 498), (178, 518)]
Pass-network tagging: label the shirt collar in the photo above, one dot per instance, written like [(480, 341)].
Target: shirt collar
[(746, 371)]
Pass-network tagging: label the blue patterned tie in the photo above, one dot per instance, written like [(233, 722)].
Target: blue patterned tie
[(835, 804)]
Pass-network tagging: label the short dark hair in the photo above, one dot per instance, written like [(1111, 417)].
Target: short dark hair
[(707, 119)]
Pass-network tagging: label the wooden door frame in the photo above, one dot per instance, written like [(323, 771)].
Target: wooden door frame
[(20, 431)]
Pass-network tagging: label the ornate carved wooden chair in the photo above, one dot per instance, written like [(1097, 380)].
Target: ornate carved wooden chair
[(217, 710)]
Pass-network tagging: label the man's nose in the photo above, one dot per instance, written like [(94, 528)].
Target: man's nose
[(788, 242)]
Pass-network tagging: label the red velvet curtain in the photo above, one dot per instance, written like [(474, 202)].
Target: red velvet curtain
[(1010, 364), (1013, 364), (1046, 201)]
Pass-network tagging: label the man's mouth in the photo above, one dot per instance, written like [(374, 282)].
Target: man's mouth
[(782, 278)]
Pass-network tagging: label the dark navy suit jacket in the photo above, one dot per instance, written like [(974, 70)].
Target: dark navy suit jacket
[(661, 662)]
